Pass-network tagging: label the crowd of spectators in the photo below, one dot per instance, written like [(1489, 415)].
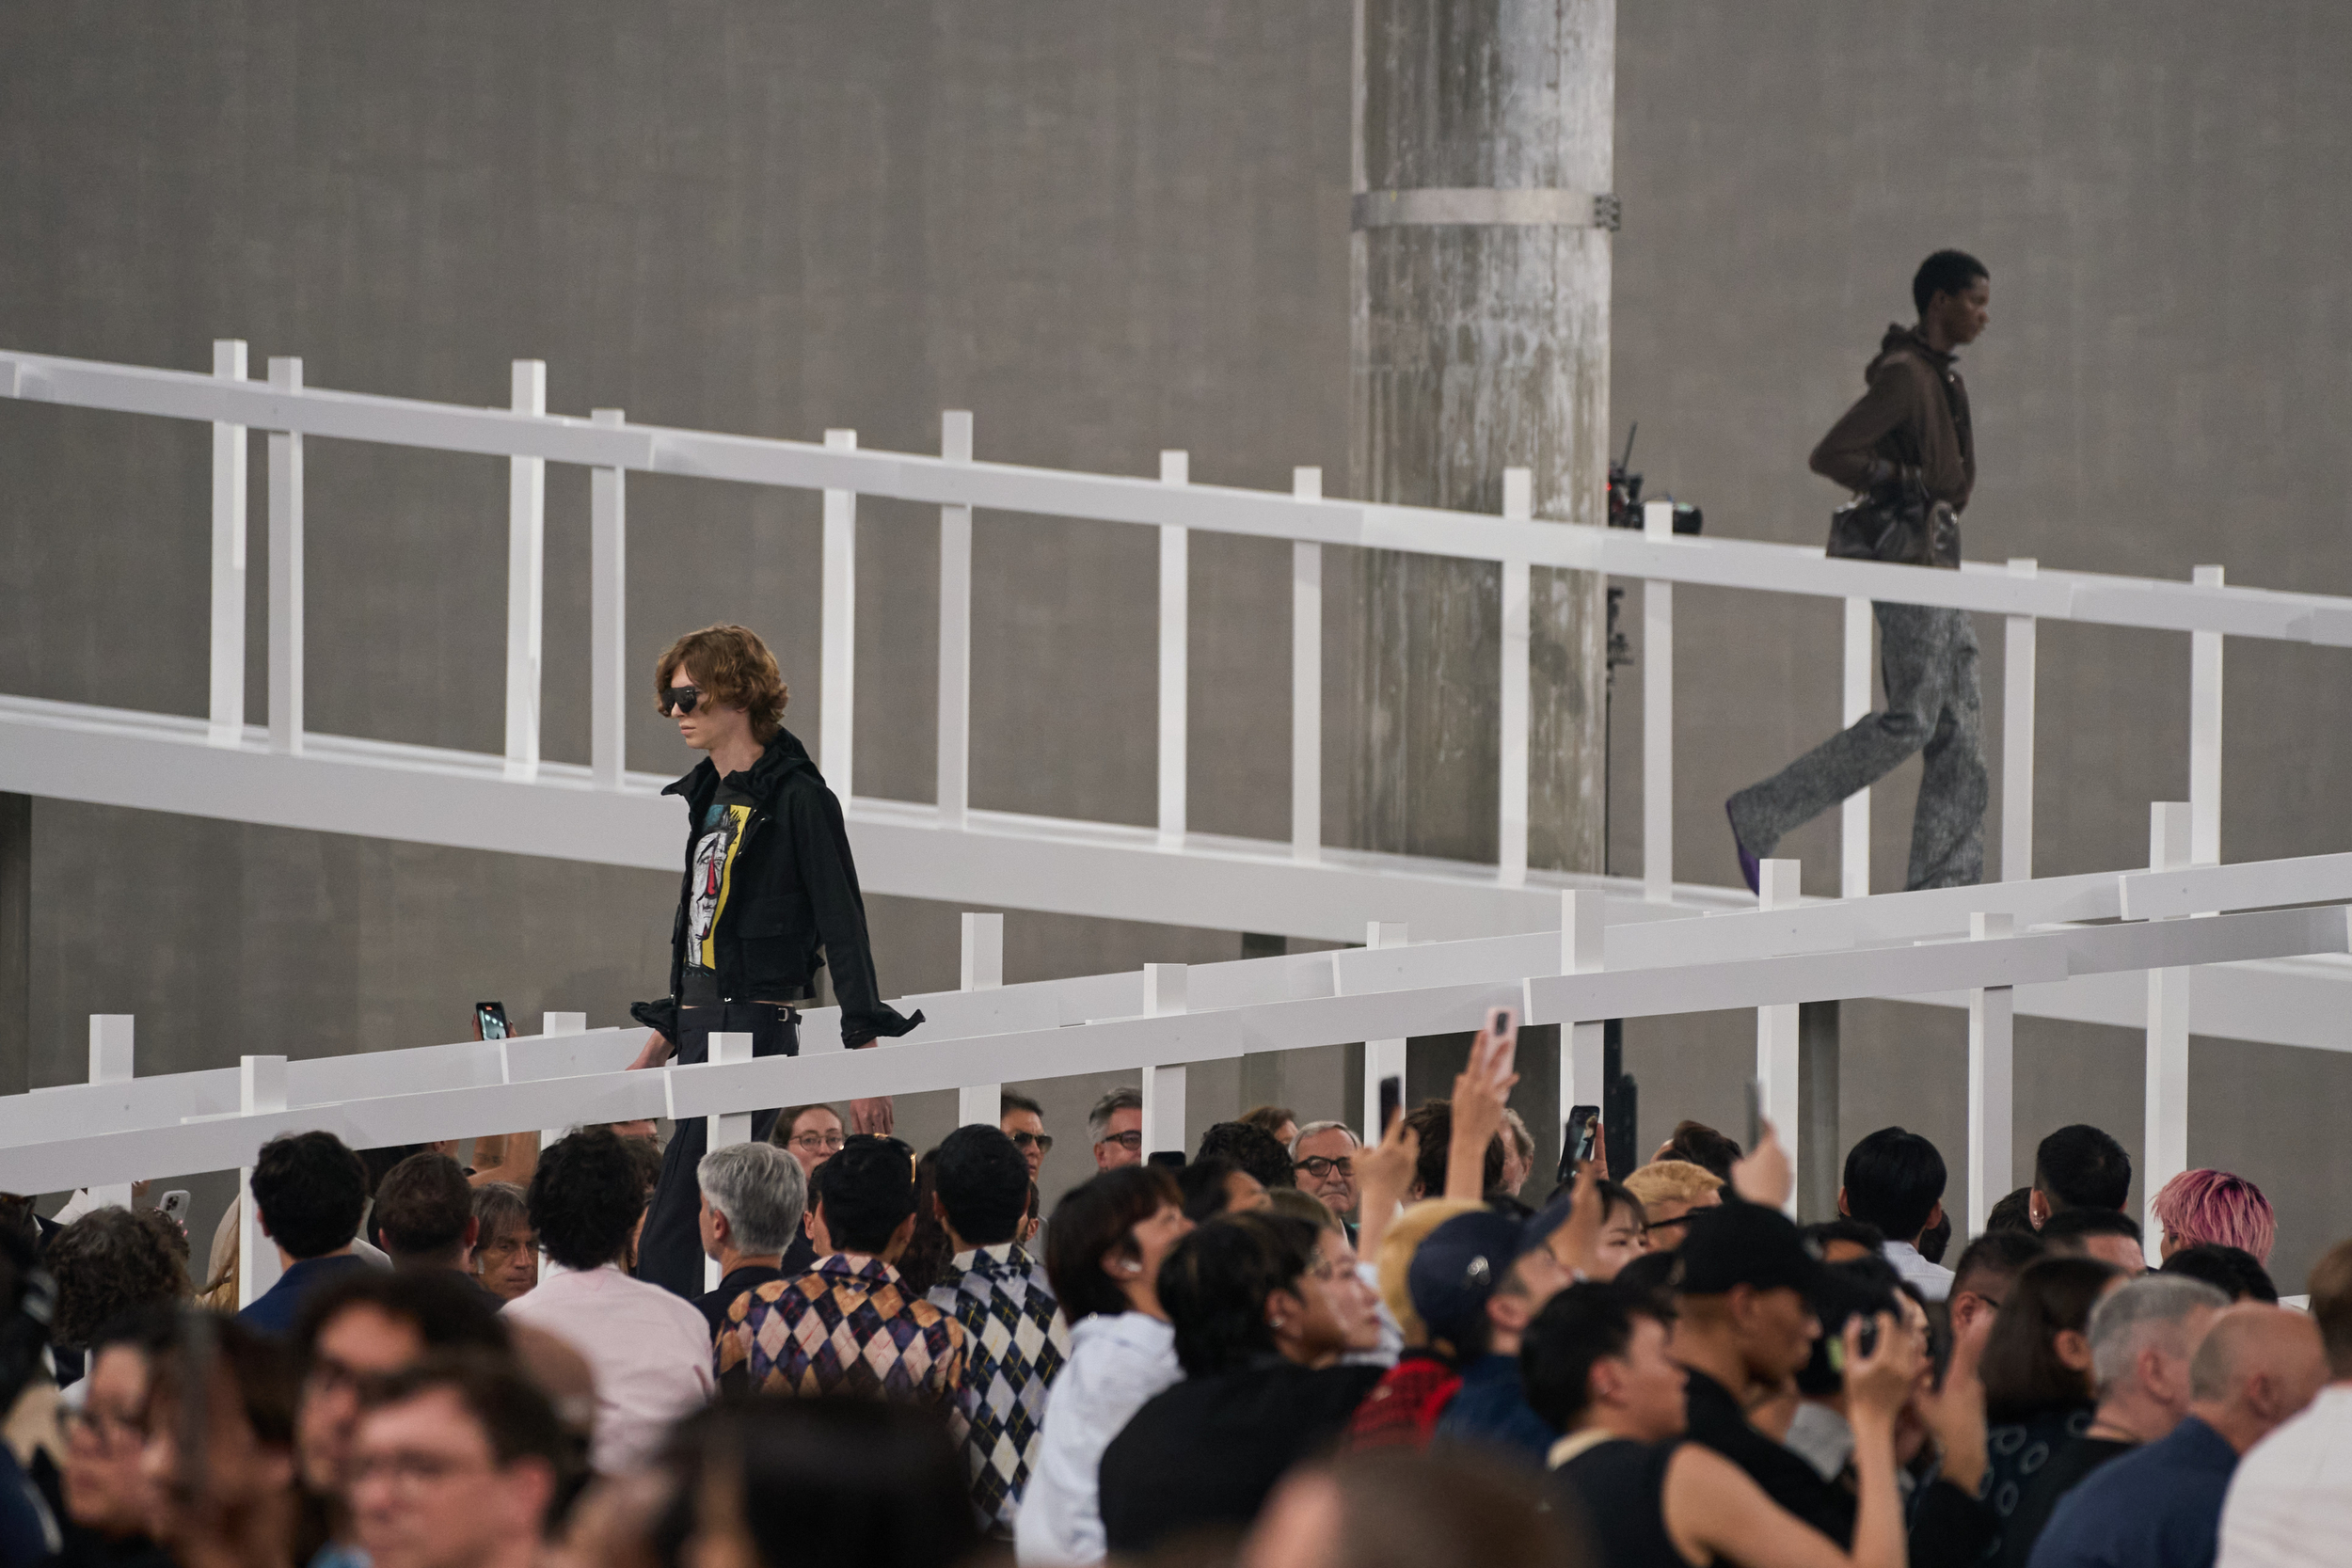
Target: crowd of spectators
[(1294, 1348)]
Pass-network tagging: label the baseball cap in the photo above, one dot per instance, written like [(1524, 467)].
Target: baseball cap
[(1745, 1244), (1461, 1264)]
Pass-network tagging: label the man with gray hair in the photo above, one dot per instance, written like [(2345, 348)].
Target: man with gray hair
[(2143, 1337), (753, 1195), (1323, 1160), (1115, 1125)]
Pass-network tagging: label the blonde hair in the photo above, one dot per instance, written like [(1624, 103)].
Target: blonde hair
[(1397, 1247), (1671, 1181)]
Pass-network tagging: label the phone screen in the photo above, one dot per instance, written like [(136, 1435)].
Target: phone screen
[(1502, 1023), (489, 1022), (1392, 1103), (1576, 1138), (1756, 1116)]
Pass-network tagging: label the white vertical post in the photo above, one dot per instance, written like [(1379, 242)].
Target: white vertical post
[(2204, 736), (1853, 849), (1518, 491), (1382, 1058), (983, 1104), (1658, 718), (1583, 923), (526, 557), (727, 1129), (261, 1089), (1307, 681), (111, 1062), (837, 723), (562, 1024), (608, 619), (955, 633), (1992, 1083), (1163, 1087), (2017, 677), (285, 573), (2164, 1149), (1175, 631), (229, 523), (1779, 1070)]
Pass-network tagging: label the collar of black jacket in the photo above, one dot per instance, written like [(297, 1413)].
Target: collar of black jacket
[(784, 758)]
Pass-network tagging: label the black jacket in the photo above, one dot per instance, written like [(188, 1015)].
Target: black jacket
[(795, 903)]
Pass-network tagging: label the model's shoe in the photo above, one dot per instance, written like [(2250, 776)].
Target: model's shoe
[(1750, 871)]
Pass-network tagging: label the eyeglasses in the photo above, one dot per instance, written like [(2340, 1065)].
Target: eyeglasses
[(1043, 1142), (1321, 1168), (818, 1143), (682, 698), (412, 1469), (1130, 1142)]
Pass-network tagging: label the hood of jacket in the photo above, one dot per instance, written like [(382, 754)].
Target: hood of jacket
[(766, 778), (1906, 340)]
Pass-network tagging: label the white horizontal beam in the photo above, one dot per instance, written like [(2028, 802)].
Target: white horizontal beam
[(1725, 562)]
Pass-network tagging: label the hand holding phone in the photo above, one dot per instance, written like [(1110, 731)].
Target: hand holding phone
[(1502, 1035), (1392, 1105)]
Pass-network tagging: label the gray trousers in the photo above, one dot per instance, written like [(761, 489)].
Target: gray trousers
[(1927, 660)]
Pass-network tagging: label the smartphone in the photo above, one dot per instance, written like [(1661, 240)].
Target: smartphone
[(1756, 1116), (1392, 1105), (1171, 1158), (1502, 1023), (175, 1204), (489, 1022), (1584, 1122)]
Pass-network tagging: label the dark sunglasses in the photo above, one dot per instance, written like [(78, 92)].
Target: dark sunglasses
[(1044, 1141), (682, 698)]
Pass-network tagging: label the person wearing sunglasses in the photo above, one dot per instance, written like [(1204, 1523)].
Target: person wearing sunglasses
[(1022, 1120), (770, 893)]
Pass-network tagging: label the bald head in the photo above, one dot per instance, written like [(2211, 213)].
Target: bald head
[(2258, 1365)]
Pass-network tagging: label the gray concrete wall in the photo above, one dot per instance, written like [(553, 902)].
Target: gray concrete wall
[(1108, 229)]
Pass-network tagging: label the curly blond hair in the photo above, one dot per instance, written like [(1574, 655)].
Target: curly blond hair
[(733, 668)]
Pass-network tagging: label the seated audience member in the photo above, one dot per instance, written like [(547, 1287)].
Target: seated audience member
[(2038, 1394), (1670, 1193), (1022, 1120), (2106, 1234), (109, 1263), (109, 1500), (310, 1191), (2289, 1505), (1623, 1231), (1745, 1326), (1116, 1127), (2143, 1337), (1477, 1282), (1895, 1181), (1598, 1370), (753, 1196), (2160, 1505), (2013, 1213), (234, 1503), (1014, 1341), (368, 1325), (1102, 1258), (1262, 1318), (1339, 1249), (1983, 1276), (1400, 1511), (1432, 1124), (2213, 1207), (1700, 1145), (649, 1350), (1251, 1149), (848, 1325), (1844, 1241), (2233, 1271), (505, 1253), (2078, 1167), (1323, 1163), (795, 1483), (1214, 1186), (1519, 1153), (455, 1464), (811, 1134), (423, 1215), (1277, 1119), (1403, 1408)]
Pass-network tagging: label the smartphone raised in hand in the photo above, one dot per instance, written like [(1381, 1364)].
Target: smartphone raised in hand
[(1503, 1027), (1577, 1139), (1392, 1105), (489, 1022)]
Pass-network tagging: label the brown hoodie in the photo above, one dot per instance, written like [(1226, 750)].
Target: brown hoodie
[(1913, 421)]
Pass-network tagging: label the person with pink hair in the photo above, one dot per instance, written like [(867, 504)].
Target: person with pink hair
[(2212, 1206)]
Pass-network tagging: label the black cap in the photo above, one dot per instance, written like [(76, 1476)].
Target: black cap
[(1745, 1244)]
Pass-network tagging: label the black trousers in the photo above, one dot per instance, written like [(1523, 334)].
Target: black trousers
[(669, 1253)]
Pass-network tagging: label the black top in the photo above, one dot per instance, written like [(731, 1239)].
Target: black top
[(1205, 1453), (2068, 1465), (1619, 1487), (751, 1276)]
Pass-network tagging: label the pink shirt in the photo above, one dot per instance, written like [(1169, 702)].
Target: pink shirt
[(650, 1352)]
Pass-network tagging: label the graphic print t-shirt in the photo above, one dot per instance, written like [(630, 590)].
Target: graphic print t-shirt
[(709, 883)]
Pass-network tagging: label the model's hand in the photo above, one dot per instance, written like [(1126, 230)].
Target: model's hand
[(657, 1052), (1766, 1177), (877, 1117)]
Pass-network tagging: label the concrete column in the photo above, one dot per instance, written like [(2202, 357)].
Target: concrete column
[(1480, 265), (16, 943), (1820, 1152)]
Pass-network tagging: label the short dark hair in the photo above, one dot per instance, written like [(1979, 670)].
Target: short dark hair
[(310, 1191), (516, 1416), (1702, 1146), (983, 1184), (1996, 1255), (1859, 1287), (867, 1191), (2013, 1213), (1251, 1148), (107, 1263), (2069, 1228), (781, 1133), (1202, 1186), (1215, 1284), (423, 1207), (1946, 272), (1589, 1321), (379, 1163), (2081, 1168), (447, 1311), (1010, 1101), (585, 1198), (2233, 1271), (1894, 1180), (1614, 1196), (1095, 1219), (837, 1480), (1432, 1121), (1862, 1234), (2023, 1374)]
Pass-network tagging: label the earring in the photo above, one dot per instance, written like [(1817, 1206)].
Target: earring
[(1130, 1266), (1277, 1324)]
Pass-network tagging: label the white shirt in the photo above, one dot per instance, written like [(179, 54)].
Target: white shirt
[(1932, 1280), (649, 1350), (2290, 1502), (1115, 1364)]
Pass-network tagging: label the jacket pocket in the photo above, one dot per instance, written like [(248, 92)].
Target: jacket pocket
[(771, 941)]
